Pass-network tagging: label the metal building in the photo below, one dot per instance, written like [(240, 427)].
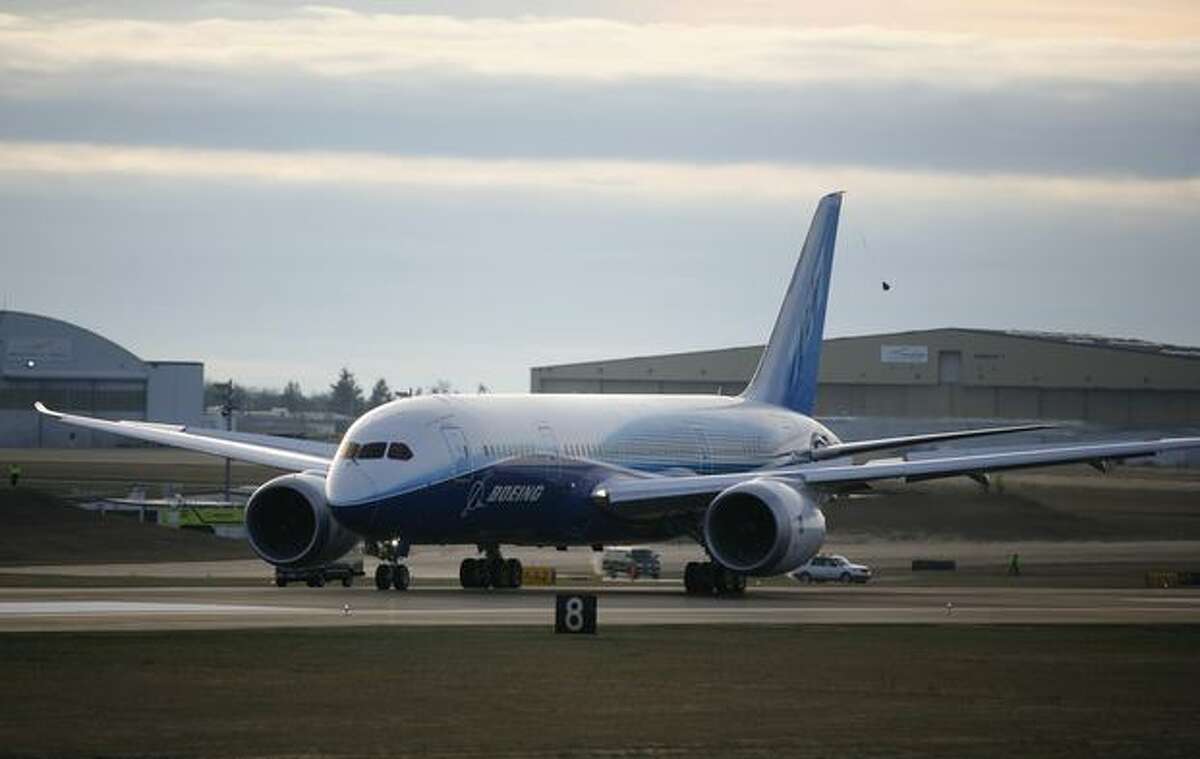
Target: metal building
[(70, 368), (940, 374)]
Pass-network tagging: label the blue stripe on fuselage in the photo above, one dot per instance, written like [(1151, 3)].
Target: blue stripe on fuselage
[(530, 501)]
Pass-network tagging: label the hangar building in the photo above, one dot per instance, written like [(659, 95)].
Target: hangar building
[(70, 368), (940, 374)]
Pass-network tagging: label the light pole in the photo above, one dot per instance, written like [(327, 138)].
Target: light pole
[(227, 409)]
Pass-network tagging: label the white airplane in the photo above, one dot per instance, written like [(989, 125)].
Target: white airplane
[(745, 476)]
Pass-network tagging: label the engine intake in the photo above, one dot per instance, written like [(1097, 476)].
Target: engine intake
[(764, 527), (289, 523)]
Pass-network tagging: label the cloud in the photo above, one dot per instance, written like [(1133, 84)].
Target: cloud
[(1149, 129), (345, 43), (663, 182)]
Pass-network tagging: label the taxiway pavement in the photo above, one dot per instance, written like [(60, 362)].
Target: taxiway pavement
[(145, 608)]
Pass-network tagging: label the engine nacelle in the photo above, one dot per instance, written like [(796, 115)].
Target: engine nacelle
[(764, 527), (290, 525)]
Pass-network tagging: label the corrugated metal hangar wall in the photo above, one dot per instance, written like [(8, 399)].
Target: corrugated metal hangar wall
[(940, 374)]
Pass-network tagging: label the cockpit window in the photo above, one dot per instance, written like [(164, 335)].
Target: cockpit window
[(350, 450), (372, 451), (399, 451)]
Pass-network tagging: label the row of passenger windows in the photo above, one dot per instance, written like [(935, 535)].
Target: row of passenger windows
[(360, 451), (628, 449)]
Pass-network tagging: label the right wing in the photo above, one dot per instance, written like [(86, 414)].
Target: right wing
[(281, 453), (640, 498)]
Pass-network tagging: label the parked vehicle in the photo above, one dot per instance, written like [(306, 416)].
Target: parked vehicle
[(631, 561), (833, 568)]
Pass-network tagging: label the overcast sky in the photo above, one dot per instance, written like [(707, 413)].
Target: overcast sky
[(462, 190)]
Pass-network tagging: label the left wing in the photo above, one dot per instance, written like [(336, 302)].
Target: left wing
[(838, 450), (644, 498), (268, 450)]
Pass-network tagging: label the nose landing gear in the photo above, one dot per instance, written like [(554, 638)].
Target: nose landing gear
[(392, 572), (388, 575), (706, 578), (493, 571)]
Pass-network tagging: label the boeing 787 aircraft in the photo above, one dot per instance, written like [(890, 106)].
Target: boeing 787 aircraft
[(745, 476)]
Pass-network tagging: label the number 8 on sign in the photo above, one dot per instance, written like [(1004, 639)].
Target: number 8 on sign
[(575, 613)]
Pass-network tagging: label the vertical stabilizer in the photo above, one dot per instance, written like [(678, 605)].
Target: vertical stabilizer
[(787, 372)]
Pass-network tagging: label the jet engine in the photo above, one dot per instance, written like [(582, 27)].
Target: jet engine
[(764, 527), (289, 523)]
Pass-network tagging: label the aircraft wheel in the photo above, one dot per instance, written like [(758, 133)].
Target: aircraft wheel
[(401, 577), (316, 581), (706, 578), (467, 573), (735, 583), (347, 581), (514, 571), (280, 581), (725, 581), (497, 573), (383, 576)]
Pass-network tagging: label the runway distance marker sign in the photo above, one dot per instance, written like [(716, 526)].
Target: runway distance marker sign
[(575, 613)]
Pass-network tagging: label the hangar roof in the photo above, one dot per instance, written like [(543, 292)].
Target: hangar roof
[(40, 347), (988, 357)]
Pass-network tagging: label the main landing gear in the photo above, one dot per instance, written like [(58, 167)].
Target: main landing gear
[(392, 572), (706, 578), (492, 571)]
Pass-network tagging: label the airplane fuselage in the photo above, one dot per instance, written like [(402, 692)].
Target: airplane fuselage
[(522, 469)]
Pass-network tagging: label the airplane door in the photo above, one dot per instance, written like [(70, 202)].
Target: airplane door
[(460, 452), (703, 452), (548, 445)]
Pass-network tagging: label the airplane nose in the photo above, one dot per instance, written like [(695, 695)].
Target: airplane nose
[(349, 483)]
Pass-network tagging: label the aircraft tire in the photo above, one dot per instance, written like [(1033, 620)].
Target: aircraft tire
[(496, 573), (467, 573), (316, 581), (515, 573), (732, 583), (401, 577), (348, 581), (280, 581), (383, 576)]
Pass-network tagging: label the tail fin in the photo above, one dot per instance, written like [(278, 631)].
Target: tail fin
[(787, 372)]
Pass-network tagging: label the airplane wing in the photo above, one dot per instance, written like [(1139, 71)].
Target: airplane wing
[(639, 498), (268, 450), (837, 450)]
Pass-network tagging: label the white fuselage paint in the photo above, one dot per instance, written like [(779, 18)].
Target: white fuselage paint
[(451, 435)]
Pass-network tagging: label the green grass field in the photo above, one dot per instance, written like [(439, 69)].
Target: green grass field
[(680, 691)]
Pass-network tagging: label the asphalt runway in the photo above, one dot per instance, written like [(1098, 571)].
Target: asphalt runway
[(77, 609)]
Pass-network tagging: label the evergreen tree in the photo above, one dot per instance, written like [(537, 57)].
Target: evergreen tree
[(345, 396), (292, 398), (380, 394)]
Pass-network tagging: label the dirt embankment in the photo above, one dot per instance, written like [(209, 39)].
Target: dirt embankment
[(41, 529), (1075, 504)]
